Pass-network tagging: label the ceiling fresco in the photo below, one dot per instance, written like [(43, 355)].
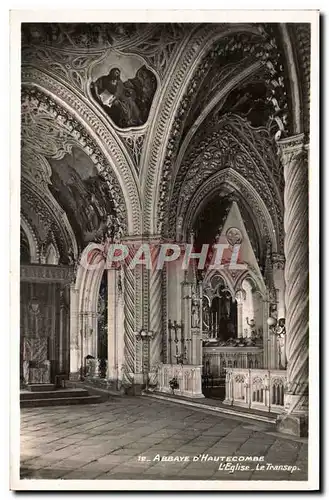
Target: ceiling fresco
[(82, 193), (170, 105), (124, 87)]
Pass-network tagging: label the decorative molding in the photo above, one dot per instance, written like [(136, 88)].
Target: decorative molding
[(68, 52), (174, 101), (229, 146), (134, 143), (296, 273), (98, 141), (155, 307), (303, 43), (244, 191), (290, 148), (231, 79), (267, 50), (46, 273), (48, 218), (32, 239), (49, 130), (129, 322), (278, 261)]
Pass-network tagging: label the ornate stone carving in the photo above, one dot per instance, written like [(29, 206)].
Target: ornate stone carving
[(129, 322), (234, 236), (247, 194), (100, 142), (171, 104), (278, 260), (41, 273), (229, 146), (296, 277), (134, 143), (31, 235), (302, 38), (290, 149), (49, 221), (161, 44), (173, 141), (49, 130), (155, 305), (67, 50)]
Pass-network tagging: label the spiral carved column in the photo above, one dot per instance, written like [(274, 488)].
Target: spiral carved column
[(294, 158), (129, 322), (155, 318)]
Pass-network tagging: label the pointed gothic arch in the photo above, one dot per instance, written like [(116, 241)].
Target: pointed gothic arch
[(32, 240), (99, 141), (157, 167), (232, 182)]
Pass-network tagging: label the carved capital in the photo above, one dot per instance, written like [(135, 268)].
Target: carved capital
[(240, 296), (290, 148)]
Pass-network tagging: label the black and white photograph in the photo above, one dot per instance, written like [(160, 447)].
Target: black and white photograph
[(163, 270)]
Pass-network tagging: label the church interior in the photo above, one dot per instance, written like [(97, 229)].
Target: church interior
[(166, 134)]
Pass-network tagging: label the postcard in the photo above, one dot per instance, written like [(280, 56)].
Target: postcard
[(164, 171)]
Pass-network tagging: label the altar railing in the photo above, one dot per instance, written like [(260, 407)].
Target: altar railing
[(217, 359), (258, 389), (188, 378)]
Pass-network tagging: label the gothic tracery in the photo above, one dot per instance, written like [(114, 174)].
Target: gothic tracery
[(154, 133)]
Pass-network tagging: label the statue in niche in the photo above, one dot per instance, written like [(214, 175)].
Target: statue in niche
[(281, 334), (126, 102), (195, 313)]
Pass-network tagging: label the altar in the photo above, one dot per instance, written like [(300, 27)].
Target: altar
[(217, 359)]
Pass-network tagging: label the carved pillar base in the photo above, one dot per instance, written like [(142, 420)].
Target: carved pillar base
[(296, 425), (112, 367), (296, 422)]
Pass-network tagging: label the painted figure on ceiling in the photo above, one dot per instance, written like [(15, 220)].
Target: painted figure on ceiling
[(126, 102)]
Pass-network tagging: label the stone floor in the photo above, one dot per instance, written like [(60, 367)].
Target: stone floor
[(124, 438)]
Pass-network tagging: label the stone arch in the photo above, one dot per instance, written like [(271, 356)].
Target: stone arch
[(231, 144), (50, 215), (234, 82), (224, 275), (256, 280), (32, 240), (242, 190), (100, 141), (175, 97), (84, 294), (296, 99)]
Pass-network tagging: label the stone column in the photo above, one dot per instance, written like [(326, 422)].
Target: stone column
[(278, 261), (239, 297), (61, 346), (186, 294), (120, 327), (155, 345), (75, 341), (294, 159), (196, 329), (132, 295), (112, 374)]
